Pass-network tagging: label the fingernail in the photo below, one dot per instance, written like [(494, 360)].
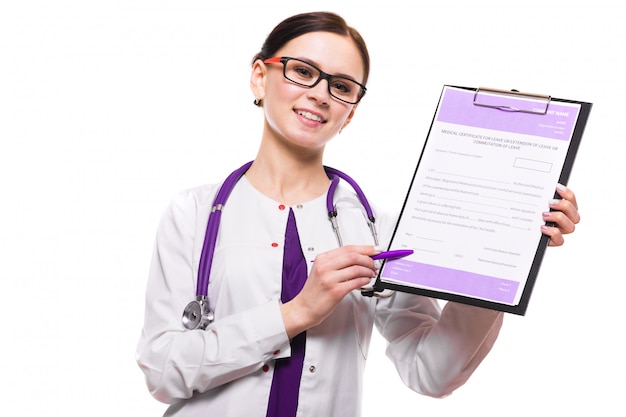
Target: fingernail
[(378, 249), (553, 202), (561, 187)]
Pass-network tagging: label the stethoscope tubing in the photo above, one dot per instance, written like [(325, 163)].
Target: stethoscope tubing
[(357, 189), (210, 238), (198, 314)]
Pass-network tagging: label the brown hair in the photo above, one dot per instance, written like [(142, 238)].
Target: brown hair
[(301, 24)]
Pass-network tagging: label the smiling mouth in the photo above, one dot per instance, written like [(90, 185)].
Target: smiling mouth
[(310, 116)]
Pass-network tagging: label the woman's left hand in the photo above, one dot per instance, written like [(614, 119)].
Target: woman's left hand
[(564, 216)]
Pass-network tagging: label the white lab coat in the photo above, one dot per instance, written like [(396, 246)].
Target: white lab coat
[(226, 370)]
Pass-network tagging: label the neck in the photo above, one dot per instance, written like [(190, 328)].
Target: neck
[(288, 180)]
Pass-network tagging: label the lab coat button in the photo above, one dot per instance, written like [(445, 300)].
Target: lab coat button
[(312, 369), (299, 206), (277, 351), (281, 207), (266, 368), (274, 244)]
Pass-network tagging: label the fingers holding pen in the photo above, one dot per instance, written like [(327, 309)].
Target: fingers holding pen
[(345, 268), (334, 274), (345, 257)]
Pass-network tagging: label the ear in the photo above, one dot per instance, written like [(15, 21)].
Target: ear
[(257, 79), (350, 116)]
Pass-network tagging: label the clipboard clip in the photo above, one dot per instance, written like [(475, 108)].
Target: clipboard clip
[(512, 101)]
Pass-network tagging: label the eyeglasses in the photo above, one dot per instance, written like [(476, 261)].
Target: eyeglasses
[(308, 75)]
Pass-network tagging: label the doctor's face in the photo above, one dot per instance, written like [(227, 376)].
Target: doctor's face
[(311, 116)]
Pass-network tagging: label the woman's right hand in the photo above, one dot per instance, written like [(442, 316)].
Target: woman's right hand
[(334, 274)]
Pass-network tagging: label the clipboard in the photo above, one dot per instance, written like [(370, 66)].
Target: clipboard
[(472, 213)]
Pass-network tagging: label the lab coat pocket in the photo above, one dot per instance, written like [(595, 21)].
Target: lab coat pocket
[(363, 311)]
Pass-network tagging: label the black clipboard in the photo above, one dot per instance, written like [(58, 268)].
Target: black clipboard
[(494, 108)]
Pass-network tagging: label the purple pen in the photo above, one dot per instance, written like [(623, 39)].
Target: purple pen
[(392, 254)]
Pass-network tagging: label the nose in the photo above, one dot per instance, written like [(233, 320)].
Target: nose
[(320, 92)]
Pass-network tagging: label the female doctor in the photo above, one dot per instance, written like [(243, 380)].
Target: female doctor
[(290, 336)]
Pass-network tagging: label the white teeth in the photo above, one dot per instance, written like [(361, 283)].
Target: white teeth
[(309, 115)]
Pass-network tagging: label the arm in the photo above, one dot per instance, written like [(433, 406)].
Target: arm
[(177, 362), (435, 352)]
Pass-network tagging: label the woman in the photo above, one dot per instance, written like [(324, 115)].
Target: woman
[(291, 335)]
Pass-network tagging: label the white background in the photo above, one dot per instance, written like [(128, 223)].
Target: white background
[(109, 108)]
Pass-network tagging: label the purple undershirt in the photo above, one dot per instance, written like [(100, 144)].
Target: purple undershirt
[(283, 400)]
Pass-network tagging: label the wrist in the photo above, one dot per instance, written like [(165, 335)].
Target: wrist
[(295, 319)]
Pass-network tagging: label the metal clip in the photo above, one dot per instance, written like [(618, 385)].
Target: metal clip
[(513, 101)]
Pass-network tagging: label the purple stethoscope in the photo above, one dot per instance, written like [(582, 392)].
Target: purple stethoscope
[(198, 314)]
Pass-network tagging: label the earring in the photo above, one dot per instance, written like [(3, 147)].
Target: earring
[(257, 102)]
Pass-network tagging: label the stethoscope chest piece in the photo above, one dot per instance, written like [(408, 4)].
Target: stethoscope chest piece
[(198, 314)]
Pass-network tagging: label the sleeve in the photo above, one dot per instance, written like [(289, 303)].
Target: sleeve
[(434, 351), (178, 362)]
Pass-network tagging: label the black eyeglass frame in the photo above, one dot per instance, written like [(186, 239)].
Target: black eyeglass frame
[(323, 76)]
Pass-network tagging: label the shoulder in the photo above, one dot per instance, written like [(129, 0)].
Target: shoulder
[(199, 196), (190, 204)]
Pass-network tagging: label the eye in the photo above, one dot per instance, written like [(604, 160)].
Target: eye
[(303, 71), (343, 87)]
